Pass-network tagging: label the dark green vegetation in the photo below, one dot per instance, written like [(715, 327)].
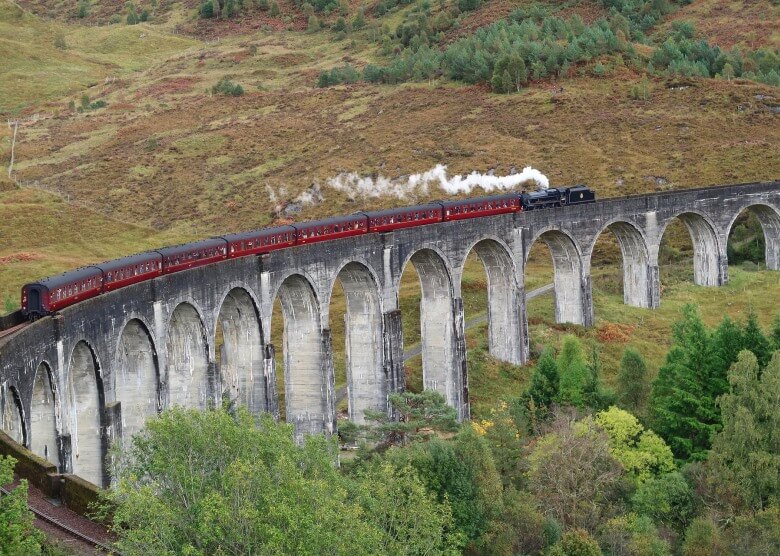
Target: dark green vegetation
[(558, 469), (534, 44), (684, 401)]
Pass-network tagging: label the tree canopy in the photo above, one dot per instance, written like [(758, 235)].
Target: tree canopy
[(746, 452), (17, 534), (210, 482)]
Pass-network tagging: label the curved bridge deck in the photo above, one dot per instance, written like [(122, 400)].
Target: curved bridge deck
[(73, 384)]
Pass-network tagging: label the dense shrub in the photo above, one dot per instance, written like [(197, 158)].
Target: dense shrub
[(227, 87), (207, 9), (681, 54), (544, 47), (337, 76)]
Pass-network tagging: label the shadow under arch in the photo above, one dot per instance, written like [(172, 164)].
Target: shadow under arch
[(45, 415), (84, 419), (635, 261), (441, 371), (505, 339), (706, 248), (12, 415), (367, 387), (239, 352), (769, 218), (308, 387), (136, 377), (568, 275), (187, 375)]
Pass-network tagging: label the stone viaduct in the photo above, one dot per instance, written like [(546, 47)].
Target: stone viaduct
[(74, 383)]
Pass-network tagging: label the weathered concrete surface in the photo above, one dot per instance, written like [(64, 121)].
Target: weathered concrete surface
[(73, 384), (45, 419)]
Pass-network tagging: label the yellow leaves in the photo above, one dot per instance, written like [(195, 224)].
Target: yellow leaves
[(482, 427)]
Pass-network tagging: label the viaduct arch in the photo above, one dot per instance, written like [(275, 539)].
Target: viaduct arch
[(73, 385)]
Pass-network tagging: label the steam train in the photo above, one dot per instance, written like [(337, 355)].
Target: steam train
[(52, 294)]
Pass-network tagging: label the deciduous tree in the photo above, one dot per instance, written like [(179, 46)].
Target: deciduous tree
[(208, 482), (574, 476), (642, 453), (17, 533), (745, 455)]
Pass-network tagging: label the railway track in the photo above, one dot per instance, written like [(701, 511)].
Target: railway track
[(9, 331), (70, 531)]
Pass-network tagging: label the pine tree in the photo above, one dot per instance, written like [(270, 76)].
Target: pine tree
[(776, 333), (360, 20), (544, 389), (633, 385), (573, 372), (728, 340), (683, 398), (755, 341), (536, 402)]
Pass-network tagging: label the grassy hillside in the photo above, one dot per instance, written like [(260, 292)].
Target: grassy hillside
[(129, 135), (45, 60)]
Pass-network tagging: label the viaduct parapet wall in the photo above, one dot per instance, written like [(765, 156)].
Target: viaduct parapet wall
[(73, 384)]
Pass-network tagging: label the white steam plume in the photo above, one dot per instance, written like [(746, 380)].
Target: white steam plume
[(361, 186)]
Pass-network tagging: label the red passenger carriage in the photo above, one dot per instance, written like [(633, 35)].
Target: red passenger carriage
[(190, 255), (259, 241), (130, 270), (330, 228), (481, 206), (52, 294), (404, 217)]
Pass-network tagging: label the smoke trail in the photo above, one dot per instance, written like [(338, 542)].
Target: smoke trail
[(355, 185)]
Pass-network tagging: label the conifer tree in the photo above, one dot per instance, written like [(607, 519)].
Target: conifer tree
[(776, 333), (755, 341), (683, 398), (544, 389), (573, 372), (729, 341), (633, 386), (535, 404)]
